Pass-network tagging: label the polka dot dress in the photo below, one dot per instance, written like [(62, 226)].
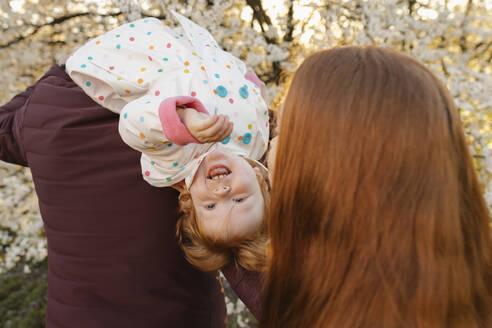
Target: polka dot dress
[(132, 69)]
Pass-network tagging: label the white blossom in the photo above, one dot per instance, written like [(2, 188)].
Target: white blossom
[(452, 41)]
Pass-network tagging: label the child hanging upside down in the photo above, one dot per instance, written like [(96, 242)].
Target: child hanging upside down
[(199, 120)]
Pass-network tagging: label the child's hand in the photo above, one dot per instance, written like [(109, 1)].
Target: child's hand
[(206, 128)]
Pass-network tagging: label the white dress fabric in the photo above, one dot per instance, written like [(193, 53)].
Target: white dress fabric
[(132, 69)]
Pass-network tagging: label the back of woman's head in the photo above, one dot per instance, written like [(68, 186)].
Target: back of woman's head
[(377, 218)]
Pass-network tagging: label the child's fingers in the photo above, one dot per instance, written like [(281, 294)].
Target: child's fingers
[(206, 124), (231, 127), (211, 132), (227, 131), (224, 132)]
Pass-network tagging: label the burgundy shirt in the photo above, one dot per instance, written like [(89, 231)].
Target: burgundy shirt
[(113, 258)]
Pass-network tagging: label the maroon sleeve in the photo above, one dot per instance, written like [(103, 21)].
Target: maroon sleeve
[(247, 285), (11, 149)]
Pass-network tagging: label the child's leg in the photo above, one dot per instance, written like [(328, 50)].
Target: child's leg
[(112, 96), (102, 84)]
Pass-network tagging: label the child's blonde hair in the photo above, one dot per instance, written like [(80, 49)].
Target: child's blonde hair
[(209, 254)]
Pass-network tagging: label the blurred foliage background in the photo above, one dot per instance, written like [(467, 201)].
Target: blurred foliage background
[(452, 37)]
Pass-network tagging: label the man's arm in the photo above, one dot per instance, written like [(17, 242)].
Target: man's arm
[(247, 285), (11, 149)]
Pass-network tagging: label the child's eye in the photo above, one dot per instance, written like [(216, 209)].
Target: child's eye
[(211, 206), (238, 200)]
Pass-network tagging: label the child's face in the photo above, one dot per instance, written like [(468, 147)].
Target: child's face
[(227, 196)]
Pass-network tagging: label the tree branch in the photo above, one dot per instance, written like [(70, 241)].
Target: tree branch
[(62, 19), (264, 21), (56, 21), (290, 23), (469, 5), (411, 3)]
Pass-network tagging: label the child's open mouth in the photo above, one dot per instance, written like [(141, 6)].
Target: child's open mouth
[(218, 172)]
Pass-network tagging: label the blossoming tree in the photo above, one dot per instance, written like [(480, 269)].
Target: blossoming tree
[(452, 37)]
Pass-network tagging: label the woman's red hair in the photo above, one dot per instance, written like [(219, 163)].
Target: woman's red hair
[(377, 218)]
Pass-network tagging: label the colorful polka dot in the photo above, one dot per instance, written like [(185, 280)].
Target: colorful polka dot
[(117, 35), (127, 91), (149, 33), (247, 138), (193, 94), (250, 126), (118, 46), (142, 119), (168, 45), (111, 68), (186, 71), (170, 144), (193, 53), (83, 65), (151, 47), (221, 91), (205, 82), (152, 162), (175, 164), (168, 179), (217, 75), (228, 66), (147, 173), (132, 39), (187, 63), (101, 98), (132, 25), (160, 70), (88, 83), (90, 58), (231, 100), (226, 140), (203, 68), (142, 135), (165, 59), (150, 58), (157, 93), (140, 81), (243, 91), (143, 69)]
